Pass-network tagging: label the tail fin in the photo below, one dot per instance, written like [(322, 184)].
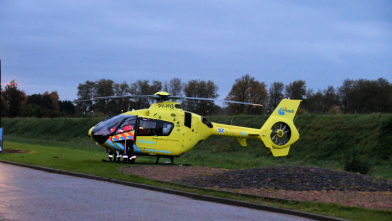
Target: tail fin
[(279, 132)]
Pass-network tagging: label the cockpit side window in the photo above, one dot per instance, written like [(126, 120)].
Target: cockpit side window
[(109, 126), (127, 125), (207, 122)]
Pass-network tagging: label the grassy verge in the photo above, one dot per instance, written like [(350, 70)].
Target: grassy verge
[(88, 161), (325, 141)]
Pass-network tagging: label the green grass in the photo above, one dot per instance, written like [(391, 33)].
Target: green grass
[(325, 141), (88, 161)]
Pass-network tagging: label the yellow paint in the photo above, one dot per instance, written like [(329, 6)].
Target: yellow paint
[(242, 141), (183, 138), (162, 93)]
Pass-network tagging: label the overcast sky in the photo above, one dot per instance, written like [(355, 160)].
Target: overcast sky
[(55, 45)]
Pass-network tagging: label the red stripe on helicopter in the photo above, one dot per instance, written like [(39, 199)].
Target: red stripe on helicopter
[(123, 136)]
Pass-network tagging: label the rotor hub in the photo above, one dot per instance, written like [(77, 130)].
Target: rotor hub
[(279, 133)]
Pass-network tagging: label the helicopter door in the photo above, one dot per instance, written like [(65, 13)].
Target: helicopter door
[(146, 134), (190, 121), (168, 144)]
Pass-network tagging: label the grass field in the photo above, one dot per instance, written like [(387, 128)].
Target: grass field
[(325, 141), (88, 161)]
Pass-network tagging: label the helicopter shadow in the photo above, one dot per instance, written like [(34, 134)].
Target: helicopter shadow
[(147, 163)]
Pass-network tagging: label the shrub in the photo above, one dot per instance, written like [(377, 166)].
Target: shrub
[(353, 163)]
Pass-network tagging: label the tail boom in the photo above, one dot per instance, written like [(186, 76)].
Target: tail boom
[(279, 125)]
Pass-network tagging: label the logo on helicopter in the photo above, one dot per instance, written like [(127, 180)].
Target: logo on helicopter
[(283, 111), (170, 106), (221, 130)]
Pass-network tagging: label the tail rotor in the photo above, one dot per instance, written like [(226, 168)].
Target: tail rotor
[(279, 132)]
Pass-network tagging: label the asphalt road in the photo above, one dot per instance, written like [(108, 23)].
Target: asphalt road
[(27, 194)]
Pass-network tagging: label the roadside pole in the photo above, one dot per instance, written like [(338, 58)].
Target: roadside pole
[(1, 139), (1, 129)]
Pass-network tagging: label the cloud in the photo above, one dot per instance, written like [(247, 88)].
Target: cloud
[(59, 44)]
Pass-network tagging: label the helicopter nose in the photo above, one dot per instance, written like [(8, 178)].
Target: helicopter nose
[(89, 133), (96, 136)]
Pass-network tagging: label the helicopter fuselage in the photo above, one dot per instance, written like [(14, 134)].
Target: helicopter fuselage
[(165, 129)]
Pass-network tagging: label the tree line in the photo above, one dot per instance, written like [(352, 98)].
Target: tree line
[(175, 87), (353, 96), (15, 103)]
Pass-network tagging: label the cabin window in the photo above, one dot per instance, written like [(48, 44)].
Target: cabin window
[(167, 128), (207, 122), (147, 127)]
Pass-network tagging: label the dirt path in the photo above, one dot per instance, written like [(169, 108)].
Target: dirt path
[(287, 182)]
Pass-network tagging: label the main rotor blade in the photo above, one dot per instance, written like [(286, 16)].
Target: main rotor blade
[(158, 97), (120, 97), (210, 99)]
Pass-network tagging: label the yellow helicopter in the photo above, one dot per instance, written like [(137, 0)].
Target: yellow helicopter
[(166, 130)]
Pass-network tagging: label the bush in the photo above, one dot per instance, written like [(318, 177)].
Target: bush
[(384, 147), (354, 164)]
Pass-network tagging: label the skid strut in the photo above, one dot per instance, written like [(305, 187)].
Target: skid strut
[(171, 159)]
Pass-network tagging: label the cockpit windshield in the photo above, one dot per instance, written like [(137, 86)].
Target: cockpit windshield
[(109, 126)]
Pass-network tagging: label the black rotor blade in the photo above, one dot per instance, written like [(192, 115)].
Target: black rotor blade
[(210, 99), (120, 97), (158, 97)]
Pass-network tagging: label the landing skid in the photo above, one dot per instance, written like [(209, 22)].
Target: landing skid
[(146, 163), (171, 159), (108, 161)]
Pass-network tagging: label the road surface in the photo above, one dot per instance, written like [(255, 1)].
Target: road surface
[(27, 194)]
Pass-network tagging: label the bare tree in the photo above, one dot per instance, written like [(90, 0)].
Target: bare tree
[(121, 90), (247, 89), (165, 87), (175, 87), (275, 94), (330, 99), (140, 87), (86, 91), (143, 87), (155, 87), (104, 87), (296, 90), (344, 92), (202, 89)]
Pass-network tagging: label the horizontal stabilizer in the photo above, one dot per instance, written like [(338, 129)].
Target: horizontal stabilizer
[(280, 152)]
